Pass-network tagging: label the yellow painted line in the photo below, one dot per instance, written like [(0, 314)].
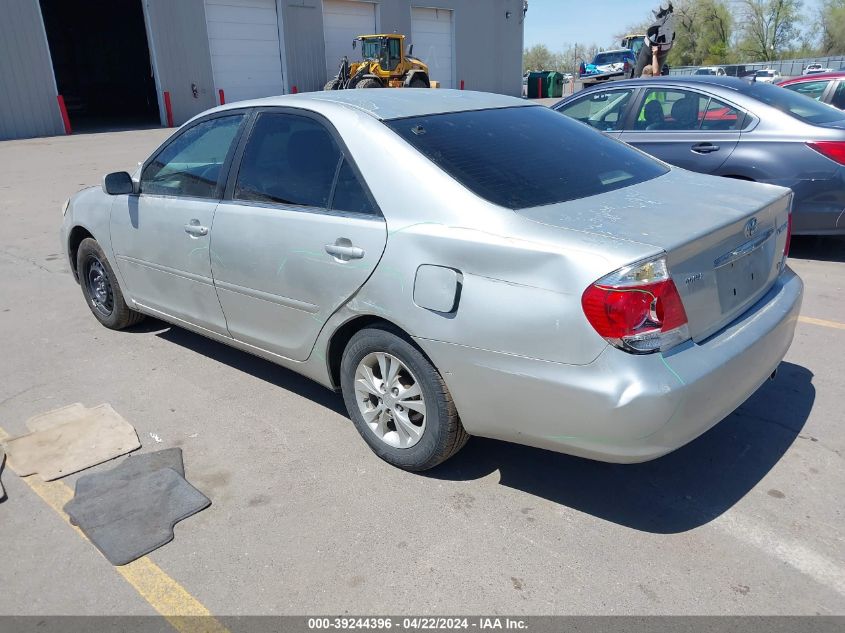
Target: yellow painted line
[(834, 324), (185, 613)]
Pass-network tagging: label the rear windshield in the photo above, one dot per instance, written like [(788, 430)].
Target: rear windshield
[(796, 105), (526, 156), (612, 58)]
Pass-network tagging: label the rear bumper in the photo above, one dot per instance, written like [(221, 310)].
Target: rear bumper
[(621, 407)]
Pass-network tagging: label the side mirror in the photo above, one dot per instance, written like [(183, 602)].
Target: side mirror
[(118, 183), (411, 50)]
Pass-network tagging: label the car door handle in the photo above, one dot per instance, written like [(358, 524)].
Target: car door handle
[(195, 229), (704, 148), (344, 250)]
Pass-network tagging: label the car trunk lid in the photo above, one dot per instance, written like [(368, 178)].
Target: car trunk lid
[(724, 239)]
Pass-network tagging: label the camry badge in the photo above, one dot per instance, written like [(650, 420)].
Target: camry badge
[(751, 227)]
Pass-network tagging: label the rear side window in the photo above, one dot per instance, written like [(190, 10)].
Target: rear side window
[(812, 89), (288, 159), (525, 156), (794, 104), (294, 160)]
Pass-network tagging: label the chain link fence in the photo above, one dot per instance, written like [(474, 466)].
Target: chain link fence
[(787, 68)]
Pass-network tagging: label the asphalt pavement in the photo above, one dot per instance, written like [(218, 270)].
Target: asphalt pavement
[(748, 519)]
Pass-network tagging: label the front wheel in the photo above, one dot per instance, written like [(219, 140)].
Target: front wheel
[(369, 82), (398, 401), (332, 84), (418, 82), (100, 288)]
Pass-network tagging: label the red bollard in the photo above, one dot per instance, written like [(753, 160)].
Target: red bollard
[(222, 96), (63, 111), (168, 109), (294, 90), (539, 87), (462, 84)]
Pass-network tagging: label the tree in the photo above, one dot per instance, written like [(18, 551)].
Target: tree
[(769, 27), (703, 31), (831, 25), (539, 57)]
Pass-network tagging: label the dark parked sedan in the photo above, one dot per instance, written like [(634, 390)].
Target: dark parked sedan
[(728, 127)]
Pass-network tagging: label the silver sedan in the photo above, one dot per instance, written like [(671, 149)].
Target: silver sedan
[(456, 264)]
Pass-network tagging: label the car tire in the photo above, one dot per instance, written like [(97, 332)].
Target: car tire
[(100, 288), (369, 82), (439, 432)]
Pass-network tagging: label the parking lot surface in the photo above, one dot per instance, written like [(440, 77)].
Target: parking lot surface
[(748, 519)]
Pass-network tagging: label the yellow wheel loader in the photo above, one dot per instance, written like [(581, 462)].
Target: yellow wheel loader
[(384, 65)]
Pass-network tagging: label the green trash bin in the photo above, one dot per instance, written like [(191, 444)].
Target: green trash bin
[(538, 86), (555, 84)]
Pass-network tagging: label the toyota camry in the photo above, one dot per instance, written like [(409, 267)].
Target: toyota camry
[(456, 264)]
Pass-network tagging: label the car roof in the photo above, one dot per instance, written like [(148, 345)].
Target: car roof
[(813, 77), (387, 103), (731, 83)]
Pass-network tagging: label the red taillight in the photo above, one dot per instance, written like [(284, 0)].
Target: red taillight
[(637, 309), (834, 150)]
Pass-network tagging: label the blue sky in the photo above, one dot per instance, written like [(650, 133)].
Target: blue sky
[(557, 23)]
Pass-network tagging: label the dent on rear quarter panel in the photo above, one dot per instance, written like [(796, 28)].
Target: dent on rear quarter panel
[(521, 281)]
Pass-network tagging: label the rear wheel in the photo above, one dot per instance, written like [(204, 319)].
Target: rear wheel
[(100, 288), (398, 401), (332, 84), (369, 82)]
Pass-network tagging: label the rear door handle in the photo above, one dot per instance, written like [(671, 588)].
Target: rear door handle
[(194, 228), (704, 148), (343, 250)]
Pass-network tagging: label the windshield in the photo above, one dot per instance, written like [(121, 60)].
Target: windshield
[(617, 57), (765, 73), (524, 157), (705, 71), (794, 104)]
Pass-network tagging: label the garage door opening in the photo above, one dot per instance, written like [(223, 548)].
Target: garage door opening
[(101, 60)]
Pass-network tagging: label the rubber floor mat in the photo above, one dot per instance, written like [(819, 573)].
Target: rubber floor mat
[(134, 466), (62, 415), (135, 515), (83, 441), (2, 462)]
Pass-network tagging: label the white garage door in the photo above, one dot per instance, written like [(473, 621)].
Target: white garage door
[(431, 35), (243, 36), (343, 20)]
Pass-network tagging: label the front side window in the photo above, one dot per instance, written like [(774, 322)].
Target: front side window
[(671, 110), (812, 89), (602, 110), (525, 156), (191, 165)]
